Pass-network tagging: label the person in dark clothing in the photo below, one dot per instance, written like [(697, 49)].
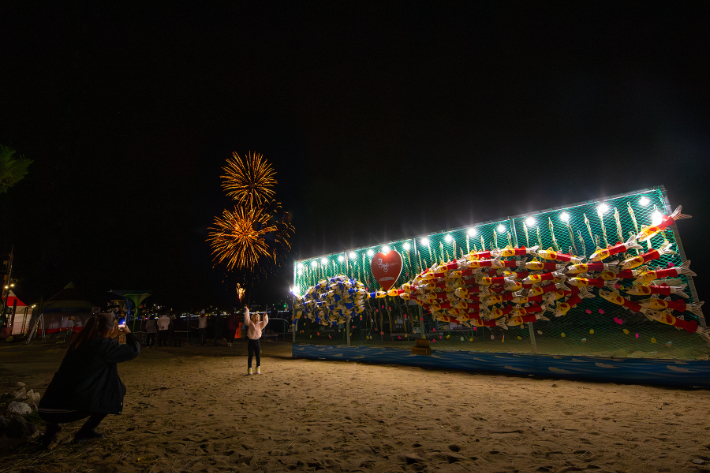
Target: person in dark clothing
[(87, 382), (219, 323), (174, 335), (151, 330), (232, 327)]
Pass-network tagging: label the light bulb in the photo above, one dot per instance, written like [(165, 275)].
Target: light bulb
[(385, 249), (602, 208), (352, 255), (341, 258), (564, 216), (500, 228), (425, 241), (314, 264), (324, 261), (472, 232), (299, 266), (530, 221), (406, 246), (644, 201), (656, 217), (370, 253), (448, 238)]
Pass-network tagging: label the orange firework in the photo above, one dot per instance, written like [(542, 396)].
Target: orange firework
[(249, 180), (243, 237)]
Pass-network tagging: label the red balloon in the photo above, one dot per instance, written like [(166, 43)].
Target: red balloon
[(386, 268)]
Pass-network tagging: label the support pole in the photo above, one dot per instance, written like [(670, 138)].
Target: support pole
[(681, 253), (294, 321), (347, 327), (533, 342), (421, 321), (532, 337)]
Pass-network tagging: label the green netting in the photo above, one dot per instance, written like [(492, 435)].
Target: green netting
[(594, 327)]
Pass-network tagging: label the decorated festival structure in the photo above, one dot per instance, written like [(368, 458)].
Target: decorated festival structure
[(595, 290)]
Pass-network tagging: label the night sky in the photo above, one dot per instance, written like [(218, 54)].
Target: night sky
[(383, 121)]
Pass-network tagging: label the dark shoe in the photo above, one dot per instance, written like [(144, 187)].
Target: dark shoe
[(49, 436), (81, 437)]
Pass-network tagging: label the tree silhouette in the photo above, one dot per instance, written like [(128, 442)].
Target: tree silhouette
[(12, 169)]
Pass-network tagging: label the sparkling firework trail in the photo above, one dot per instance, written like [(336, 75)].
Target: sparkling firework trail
[(249, 180), (239, 238)]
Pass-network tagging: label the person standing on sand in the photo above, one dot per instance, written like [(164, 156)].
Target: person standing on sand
[(151, 330), (174, 336), (232, 326), (202, 328), (87, 382), (254, 328), (219, 323), (163, 326)]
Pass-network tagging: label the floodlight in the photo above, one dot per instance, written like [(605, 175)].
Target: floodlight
[(472, 232), (644, 201), (530, 221), (564, 216)]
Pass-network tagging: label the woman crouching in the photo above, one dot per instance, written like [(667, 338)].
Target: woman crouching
[(87, 382)]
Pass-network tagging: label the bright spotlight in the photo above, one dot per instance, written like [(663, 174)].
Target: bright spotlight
[(370, 253), (501, 228), (602, 208), (324, 261), (406, 246), (299, 266), (341, 258), (425, 241), (656, 217), (472, 232), (448, 238), (644, 201), (352, 255), (314, 264), (564, 216), (385, 249), (530, 221)]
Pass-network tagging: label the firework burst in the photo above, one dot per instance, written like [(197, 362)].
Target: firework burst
[(249, 180), (243, 237)]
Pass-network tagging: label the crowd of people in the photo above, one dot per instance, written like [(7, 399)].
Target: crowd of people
[(87, 384), (170, 330)]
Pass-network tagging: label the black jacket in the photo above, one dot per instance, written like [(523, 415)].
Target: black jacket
[(87, 379)]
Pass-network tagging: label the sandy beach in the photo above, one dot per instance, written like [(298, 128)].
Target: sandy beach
[(194, 409)]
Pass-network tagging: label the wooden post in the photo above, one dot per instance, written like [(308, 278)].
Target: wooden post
[(347, 327), (389, 316), (294, 322), (421, 321), (532, 337)]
